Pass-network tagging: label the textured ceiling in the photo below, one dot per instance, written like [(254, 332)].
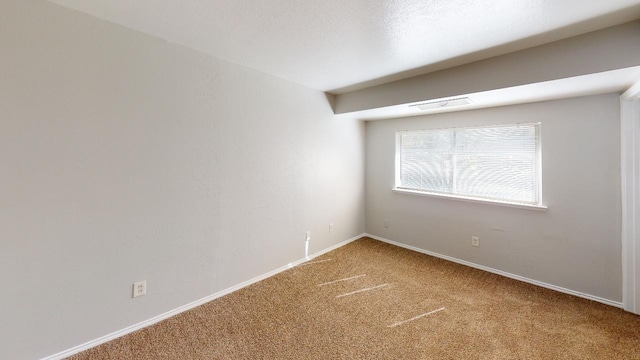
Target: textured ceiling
[(340, 45)]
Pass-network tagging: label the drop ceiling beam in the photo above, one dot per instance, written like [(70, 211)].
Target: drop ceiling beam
[(599, 51)]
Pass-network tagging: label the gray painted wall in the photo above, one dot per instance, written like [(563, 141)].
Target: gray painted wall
[(126, 158), (575, 244)]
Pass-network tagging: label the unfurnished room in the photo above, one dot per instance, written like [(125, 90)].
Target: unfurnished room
[(278, 179)]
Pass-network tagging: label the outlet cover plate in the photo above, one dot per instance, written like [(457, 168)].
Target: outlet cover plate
[(139, 288)]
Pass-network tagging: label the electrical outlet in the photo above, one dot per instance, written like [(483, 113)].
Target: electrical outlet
[(139, 288), (330, 227), (386, 223), (475, 241)]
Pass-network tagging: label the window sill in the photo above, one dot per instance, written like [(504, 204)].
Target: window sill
[(473, 200)]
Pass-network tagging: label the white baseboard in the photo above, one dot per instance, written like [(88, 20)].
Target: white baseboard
[(500, 272), (168, 314), (339, 245), (176, 311)]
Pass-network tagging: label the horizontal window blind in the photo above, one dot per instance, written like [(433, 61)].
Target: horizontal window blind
[(498, 163)]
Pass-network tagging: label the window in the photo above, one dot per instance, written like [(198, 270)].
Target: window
[(497, 163)]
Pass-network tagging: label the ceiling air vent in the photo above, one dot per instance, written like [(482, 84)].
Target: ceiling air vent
[(439, 104)]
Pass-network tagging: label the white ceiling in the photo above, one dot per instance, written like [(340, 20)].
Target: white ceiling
[(341, 45)]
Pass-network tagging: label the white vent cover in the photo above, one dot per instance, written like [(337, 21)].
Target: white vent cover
[(439, 104)]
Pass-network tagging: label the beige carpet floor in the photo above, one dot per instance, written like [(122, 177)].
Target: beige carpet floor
[(371, 300)]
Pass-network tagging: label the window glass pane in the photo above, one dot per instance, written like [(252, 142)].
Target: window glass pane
[(497, 162), (427, 160)]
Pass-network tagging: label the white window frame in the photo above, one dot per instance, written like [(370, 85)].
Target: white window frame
[(476, 199)]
